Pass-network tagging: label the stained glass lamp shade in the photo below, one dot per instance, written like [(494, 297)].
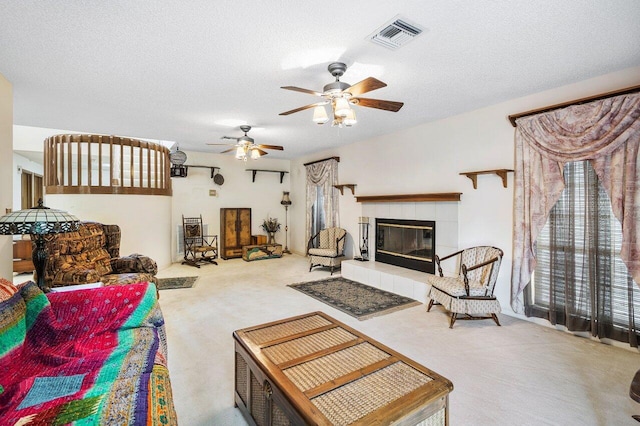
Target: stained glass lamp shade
[(38, 221)]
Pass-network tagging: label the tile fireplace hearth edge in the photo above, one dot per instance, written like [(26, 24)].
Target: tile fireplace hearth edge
[(402, 281)]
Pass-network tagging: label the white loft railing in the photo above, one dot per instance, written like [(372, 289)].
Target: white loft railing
[(101, 164)]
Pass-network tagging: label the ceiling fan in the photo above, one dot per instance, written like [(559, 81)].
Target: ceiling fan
[(341, 96), (245, 146)]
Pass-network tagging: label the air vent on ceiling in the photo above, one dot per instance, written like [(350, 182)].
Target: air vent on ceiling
[(396, 33)]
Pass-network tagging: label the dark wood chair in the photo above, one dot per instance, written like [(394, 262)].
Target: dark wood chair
[(198, 248)]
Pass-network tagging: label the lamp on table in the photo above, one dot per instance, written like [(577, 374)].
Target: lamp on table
[(38, 221)]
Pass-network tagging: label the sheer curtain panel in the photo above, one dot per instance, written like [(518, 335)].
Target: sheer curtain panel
[(580, 281)]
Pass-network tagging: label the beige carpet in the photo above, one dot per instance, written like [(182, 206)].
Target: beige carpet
[(517, 374)]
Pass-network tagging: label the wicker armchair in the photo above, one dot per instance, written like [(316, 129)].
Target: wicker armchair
[(326, 248), (470, 294)]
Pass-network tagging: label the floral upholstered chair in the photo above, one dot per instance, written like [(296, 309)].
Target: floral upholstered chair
[(470, 294), (326, 248)]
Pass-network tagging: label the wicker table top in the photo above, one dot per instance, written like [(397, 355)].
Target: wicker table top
[(337, 375)]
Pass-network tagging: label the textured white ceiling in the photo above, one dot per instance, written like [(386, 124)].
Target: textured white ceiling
[(170, 70)]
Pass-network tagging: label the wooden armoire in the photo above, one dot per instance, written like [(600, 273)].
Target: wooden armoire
[(235, 231)]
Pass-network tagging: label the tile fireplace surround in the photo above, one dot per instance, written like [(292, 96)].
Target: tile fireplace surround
[(403, 281)]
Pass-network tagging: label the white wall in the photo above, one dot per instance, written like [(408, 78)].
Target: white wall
[(144, 220), (6, 172), (428, 158), (191, 194)]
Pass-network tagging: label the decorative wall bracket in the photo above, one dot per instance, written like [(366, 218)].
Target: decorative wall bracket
[(351, 186), (500, 172)]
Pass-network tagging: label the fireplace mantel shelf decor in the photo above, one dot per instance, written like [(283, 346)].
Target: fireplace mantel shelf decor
[(438, 196)]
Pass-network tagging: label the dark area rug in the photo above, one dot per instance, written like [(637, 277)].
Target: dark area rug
[(176, 282), (356, 299)]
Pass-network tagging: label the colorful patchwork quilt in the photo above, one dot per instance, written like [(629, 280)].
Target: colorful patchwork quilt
[(84, 357)]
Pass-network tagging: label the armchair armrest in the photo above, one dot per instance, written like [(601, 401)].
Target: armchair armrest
[(310, 243), (134, 263), (466, 269), (338, 251), (210, 240), (440, 259)]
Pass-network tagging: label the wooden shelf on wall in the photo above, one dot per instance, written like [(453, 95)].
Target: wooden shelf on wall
[(255, 171), (439, 196), (351, 186), (500, 172)]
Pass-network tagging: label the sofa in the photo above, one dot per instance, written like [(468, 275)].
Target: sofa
[(92, 254), (83, 357)]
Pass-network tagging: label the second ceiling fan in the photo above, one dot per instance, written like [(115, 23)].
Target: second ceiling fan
[(341, 96), (246, 147)]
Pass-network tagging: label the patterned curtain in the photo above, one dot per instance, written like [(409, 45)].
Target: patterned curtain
[(323, 176), (605, 132)]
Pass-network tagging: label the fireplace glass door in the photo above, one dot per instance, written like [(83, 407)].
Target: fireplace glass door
[(410, 244)]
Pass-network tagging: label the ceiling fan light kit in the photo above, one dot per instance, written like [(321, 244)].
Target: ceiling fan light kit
[(246, 147), (341, 96)]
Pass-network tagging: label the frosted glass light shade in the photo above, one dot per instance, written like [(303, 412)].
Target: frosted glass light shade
[(240, 153), (350, 118), (255, 154), (342, 107), (320, 115)]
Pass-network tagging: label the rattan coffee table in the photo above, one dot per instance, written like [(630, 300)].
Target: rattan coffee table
[(314, 370)]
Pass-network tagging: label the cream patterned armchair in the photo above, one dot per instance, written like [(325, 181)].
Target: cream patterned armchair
[(326, 248), (470, 294)]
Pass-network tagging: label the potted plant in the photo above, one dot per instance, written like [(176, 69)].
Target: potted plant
[(271, 226)]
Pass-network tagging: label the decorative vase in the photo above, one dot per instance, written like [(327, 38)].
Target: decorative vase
[(272, 238)]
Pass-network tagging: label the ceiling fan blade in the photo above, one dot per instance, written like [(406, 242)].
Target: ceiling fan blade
[(300, 89), (229, 137), (228, 150), (225, 144), (261, 151), (366, 85), (379, 104), (303, 108), (278, 147)]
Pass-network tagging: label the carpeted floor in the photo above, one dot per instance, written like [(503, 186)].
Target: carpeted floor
[(176, 282), (358, 300), (519, 374)]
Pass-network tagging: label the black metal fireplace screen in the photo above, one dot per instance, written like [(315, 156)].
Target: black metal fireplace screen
[(406, 243)]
